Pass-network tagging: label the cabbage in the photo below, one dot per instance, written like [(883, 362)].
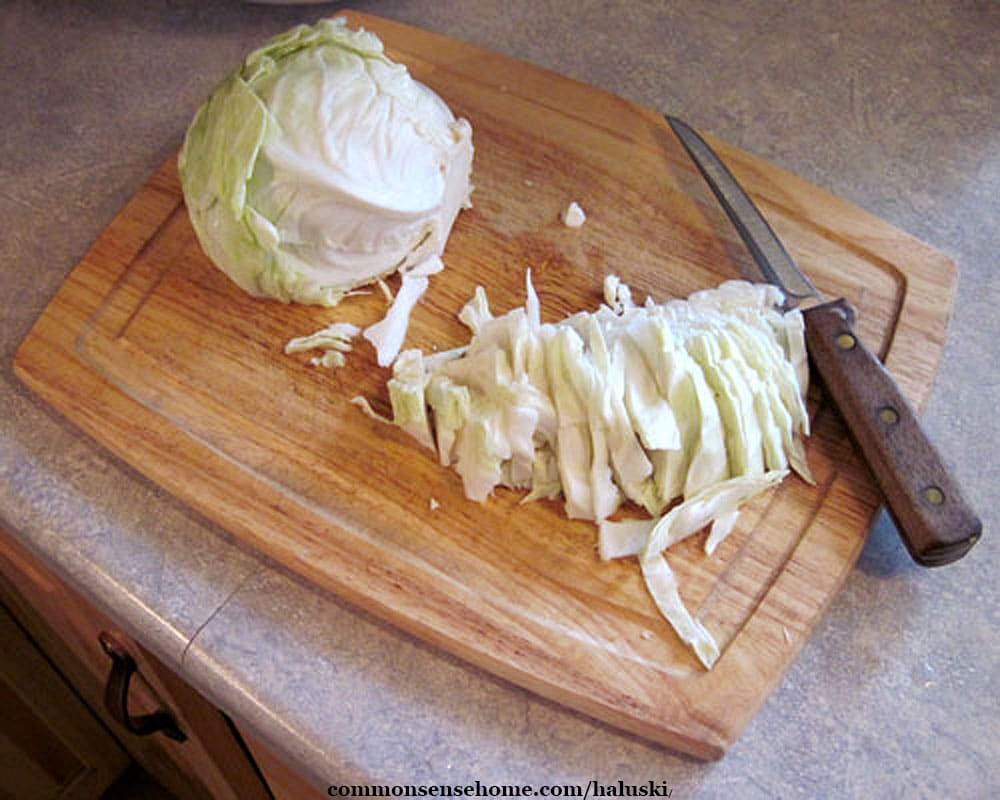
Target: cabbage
[(407, 396), (632, 467), (662, 585), (320, 166), (574, 455), (450, 403), (716, 505), (707, 505), (648, 408), (617, 295), (687, 409), (334, 340), (476, 312)]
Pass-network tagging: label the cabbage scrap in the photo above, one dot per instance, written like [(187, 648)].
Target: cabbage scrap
[(687, 410), (334, 340), (406, 394)]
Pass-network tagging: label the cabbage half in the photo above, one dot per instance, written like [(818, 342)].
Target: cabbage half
[(320, 165)]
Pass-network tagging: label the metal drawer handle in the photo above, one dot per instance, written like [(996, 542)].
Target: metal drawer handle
[(123, 667)]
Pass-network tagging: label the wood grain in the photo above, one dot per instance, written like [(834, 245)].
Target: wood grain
[(155, 353)]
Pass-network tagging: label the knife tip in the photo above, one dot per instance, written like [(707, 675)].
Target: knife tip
[(676, 122)]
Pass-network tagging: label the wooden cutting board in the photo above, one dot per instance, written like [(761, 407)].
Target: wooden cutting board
[(156, 354)]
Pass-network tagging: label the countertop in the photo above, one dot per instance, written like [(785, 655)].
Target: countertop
[(894, 106)]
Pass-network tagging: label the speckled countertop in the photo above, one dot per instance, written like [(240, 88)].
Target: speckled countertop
[(893, 105)]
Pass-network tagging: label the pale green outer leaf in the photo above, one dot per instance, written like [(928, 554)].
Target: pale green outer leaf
[(545, 483), (564, 349), (709, 462), (756, 352), (480, 450), (731, 397), (451, 404)]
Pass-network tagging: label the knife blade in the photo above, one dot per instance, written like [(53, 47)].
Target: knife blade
[(931, 513)]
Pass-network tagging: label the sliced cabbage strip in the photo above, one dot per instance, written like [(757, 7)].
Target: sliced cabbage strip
[(662, 584)]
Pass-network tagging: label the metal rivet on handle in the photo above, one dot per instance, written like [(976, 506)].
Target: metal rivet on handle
[(934, 495), (846, 341), (888, 415)]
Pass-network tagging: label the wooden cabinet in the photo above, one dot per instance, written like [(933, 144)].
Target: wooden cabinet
[(285, 783), (51, 744), (206, 760)]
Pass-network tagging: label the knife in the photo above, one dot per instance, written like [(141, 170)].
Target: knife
[(932, 516)]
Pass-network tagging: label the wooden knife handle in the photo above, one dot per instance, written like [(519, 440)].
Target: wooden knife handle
[(932, 516)]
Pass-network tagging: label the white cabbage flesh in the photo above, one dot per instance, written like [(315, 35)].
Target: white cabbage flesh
[(715, 505), (623, 538), (407, 396), (320, 165), (722, 526), (335, 336), (563, 353), (334, 340), (477, 311), (687, 410), (702, 508), (661, 581), (388, 334), (617, 295)]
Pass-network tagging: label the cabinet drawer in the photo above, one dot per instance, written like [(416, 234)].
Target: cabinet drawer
[(208, 760)]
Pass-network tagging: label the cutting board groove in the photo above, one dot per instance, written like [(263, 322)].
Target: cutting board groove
[(155, 353)]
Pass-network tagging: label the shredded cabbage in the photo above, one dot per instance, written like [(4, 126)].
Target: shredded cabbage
[(334, 340), (687, 410)]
